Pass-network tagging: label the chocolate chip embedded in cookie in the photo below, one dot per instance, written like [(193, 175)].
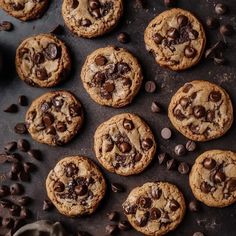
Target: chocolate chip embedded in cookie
[(24, 10), (54, 118), (42, 60), (213, 178), (75, 186), (155, 208), (201, 111), (112, 76), (91, 18), (124, 144), (176, 39)]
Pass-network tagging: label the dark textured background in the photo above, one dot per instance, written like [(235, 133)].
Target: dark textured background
[(213, 222)]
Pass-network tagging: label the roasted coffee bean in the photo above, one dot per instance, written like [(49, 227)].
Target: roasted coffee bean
[(4, 191), (41, 74), (144, 202), (205, 187), (174, 205), (180, 150), (7, 222), (124, 225), (173, 33), (24, 200), (212, 22), (117, 188), (183, 168), (111, 229), (16, 189), (20, 128), (85, 22), (171, 164), (209, 163), (125, 147), (155, 107), (170, 3), (226, 30), (166, 133), (190, 52), (215, 96), (25, 213), (11, 146), (198, 234), (6, 26), (35, 154), (142, 220), (220, 8), (219, 177), (47, 205), (199, 111), (52, 51), (23, 145), (100, 60), (13, 108), (163, 158), (59, 187), (182, 20), (191, 146), (147, 143), (113, 216), (155, 214), (123, 37), (157, 38), (150, 86), (24, 176), (14, 210), (16, 167), (194, 206)]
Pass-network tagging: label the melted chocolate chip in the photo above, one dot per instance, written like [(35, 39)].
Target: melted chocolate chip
[(41, 74), (219, 177), (48, 119), (142, 220), (130, 209), (75, 110), (144, 202), (128, 124), (187, 88), (231, 185), (124, 147), (157, 38), (199, 111), (147, 144), (61, 127), (205, 187), (182, 20), (190, 52), (179, 115), (109, 87), (59, 187), (123, 68), (156, 193), (100, 60), (184, 102), (174, 205), (209, 163), (215, 96), (173, 33), (38, 58), (51, 130), (58, 101), (155, 214), (85, 22), (18, 6), (52, 51)]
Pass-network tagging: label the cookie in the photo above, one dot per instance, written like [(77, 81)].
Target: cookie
[(124, 144), (112, 76), (201, 111), (155, 208), (91, 18), (42, 60), (213, 178), (54, 118), (75, 186), (176, 39), (24, 9)]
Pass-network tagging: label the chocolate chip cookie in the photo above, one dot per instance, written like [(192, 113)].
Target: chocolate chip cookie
[(42, 60), (24, 9), (155, 208), (112, 76), (201, 111), (54, 118), (75, 186), (91, 18), (213, 178), (124, 144), (176, 39)]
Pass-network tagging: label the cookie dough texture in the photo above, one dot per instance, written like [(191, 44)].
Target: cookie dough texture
[(201, 111), (90, 19), (42, 60), (112, 76), (155, 208), (213, 178), (24, 9), (75, 186), (124, 144), (54, 118), (176, 39)]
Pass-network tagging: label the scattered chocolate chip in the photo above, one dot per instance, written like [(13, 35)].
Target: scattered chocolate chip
[(100, 60), (13, 108), (4, 191), (180, 150), (22, 100), (3, 158), (13, 158), (20, 128), (16, 189), (35, 154), (226, 29), (209, 163), (147, 143), (171, 164), (191, 146), (166, 133), (11, 146), (57, 30), (163, 158), (24, 176), (123, 37), (144, 202), (183, 168), (220, 9), (169, 3), (5, 203), (150, 86), (111, 229), (113, 216), (199, 111), (124, 225), (212, 22), (212, 51), (6, 26), (23, 145), (198, 234), (24, 200), (155, 107), (47, 205), (117, 188), (29, 167), (194, 206), (59, 187)]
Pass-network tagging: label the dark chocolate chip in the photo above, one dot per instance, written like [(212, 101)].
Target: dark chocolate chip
[(209, 163), (180, 150), (16, 189), (22, 100), (6, 26), (215, 96), (163, 158), (193, 34), (130, 209), (52, 51), (123, 37), (205, 187), (11, 146), (71, 170), (184, 102), (171, 164), (155, 107), (142, 220), (199, 111), (3, 158), (157, 38), (111, 229), (96, 13), (150, 86), (123, 68), (74, 3), (85, 22), (173, 33), (187, 87), (220, 9), (35, 154), (147, 144), (155, 214), (12, 176), (100, 60), (182, 20), (83, 233), (183, 168), (156, 193), (48, 119), (18, 6), (220, 60), (231, 185), (25, 213), (41, 74), (38, 58), (94, 4), (59, 187), (113, 216), (7, 222), (81, 190), (4, 191), (144, 202), (23, 145), (191, 146), (125, 147), (58, 101), (174, 205), (124, 225), (51, 130), (117, 188), (212, 51), (226, 30), (47, 205), (194, 206), (75, 110), (6, 204), (166, 133), (190, 52), (13, 108), (14, 210), (212, 22), (24, 176), (45, 106), (219, 177), (24, 200), (16, 167), (128, 124)]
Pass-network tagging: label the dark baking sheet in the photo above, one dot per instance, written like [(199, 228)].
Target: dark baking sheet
[(211, 221)]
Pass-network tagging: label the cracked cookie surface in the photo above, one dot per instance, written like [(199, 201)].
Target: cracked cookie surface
[(75, 186), (112, 76), (54, 118), (176, 39), (124, 144), (42, 60), (201, 111), (91, 18), (155, 208), (213, 178), (24, 9)]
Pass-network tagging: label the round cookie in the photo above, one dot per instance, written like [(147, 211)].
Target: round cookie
[(155, 208), (54, 118), (124, 144), (201, 111), (75, 186), (24, 9), (176, 39), (213, 178), (91, 18), (112, 76), (42, 60)]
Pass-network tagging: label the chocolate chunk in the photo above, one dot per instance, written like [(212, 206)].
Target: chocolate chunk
[(163, 158), (117, 188), (209, 163), (190, 52), (170, 3), (182, 20), (25, 213), (23, 101), (6, 204), (220, 9), (35, 154), (142, 220), (147, 144), (166, 133), (194, 206), (231, 185), (219, 177), (123, 68), (38, 58), (11, 146), (156, 193), (51, 130), (124, 225), (85, 22), (52, 51), (16, 189), (205, 187), (137, 157), (180, 150), (194, 128), (226, 30), (113, 216), (173, 33), (4, 191), (11, 109), (184, 102), (183, 168), (215, 96), (171, 164), (14, 210), (24, 200), (75, 110), (128, 124), (198, 234), (71, 170), (174, 205), (59, 187), (144, 202), (23, 145), (179, 115), (150, 86), (130, 209), (155, 214), (100, 60), (48, 119), (16, 168), (6, 26), (81, 190), (47, 205), (111, 229), (212, 22), (123, 37), (191, 146), (157, 38), (155, 107), (41, 74), (199, 111), (7, 222), (96, 13), (125, 147)]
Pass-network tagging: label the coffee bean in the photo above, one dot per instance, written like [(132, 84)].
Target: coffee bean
[(124, 225), (212, 22), (100, 60), (198, 234), (155, 107), (85, 22), (14, 210), (219, 177), (190, 52), (199, 111), (155, 214), (220, 8), (13, 108), (52, 51), (191, 146), (35, 154), (150, 86), (113, 216), (20, 128), (194, 206), (171, 164), (25, 213), (47, 205), (169, 3), (6, 26), (174, 205), (59, 187), (128, 124), (123, 37), (157, 38), (173, 33), (166, 133), (7, 222), (125, 147), (117, 188), (205, 187), (111, 229), (11, 146), (16, 189), (226, 30), (180, 150), (183, 168), (24, 200), (23, 145), (209, 163), (4, 191), (147, 144), (163, 158), (182, 20)]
